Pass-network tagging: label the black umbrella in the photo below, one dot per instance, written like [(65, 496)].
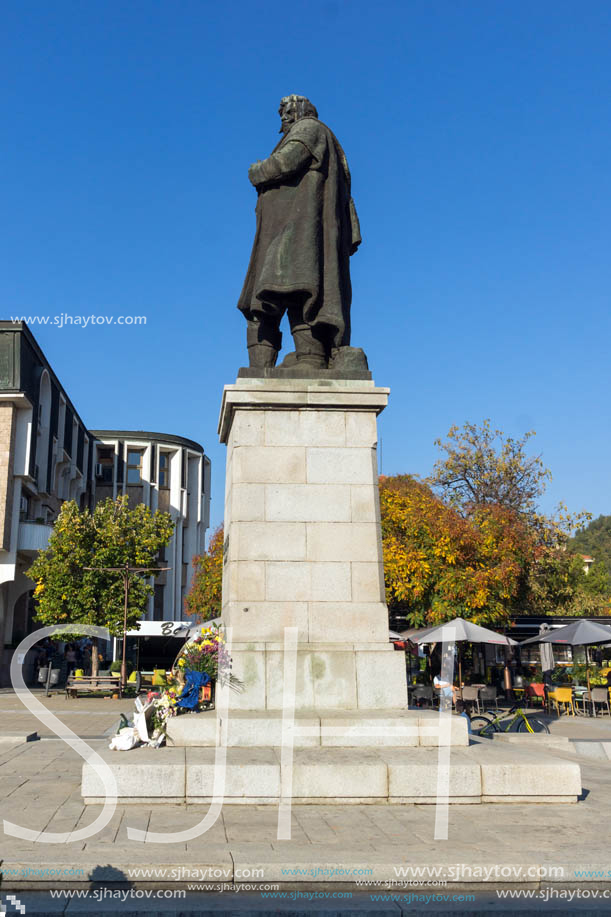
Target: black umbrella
[(579, 633)]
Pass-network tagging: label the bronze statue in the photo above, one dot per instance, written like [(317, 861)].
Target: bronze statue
[(307, 228)]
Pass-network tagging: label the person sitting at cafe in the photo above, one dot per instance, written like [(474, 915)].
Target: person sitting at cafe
[(446, 689)]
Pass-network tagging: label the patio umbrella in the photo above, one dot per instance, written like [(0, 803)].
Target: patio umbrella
[(412, 633), (465, 632), (579, 633), (545, 651)]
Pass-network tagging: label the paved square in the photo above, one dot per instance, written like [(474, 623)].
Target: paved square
[(332, 847)]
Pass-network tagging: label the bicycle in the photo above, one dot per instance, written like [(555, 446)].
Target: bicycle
[(485, 724)]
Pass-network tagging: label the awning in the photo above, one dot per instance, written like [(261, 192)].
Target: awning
[(163, 629)]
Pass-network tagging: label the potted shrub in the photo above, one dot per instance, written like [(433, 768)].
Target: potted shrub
[(115, 667)]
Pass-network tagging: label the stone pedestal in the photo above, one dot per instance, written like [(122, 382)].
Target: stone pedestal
[(303, 550), (303, 544)]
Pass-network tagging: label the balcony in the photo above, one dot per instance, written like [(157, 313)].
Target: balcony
[(33, 537)]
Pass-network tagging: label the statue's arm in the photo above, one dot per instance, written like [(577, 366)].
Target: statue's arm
[(292, 158)]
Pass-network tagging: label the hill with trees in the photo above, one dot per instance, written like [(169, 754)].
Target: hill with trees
[(595, 540)]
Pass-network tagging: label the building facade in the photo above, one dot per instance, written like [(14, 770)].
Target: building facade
[(168, 473), (47, 456)]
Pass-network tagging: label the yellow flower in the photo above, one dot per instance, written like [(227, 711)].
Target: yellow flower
[(182, 663)]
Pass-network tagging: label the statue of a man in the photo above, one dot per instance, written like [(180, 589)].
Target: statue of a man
[(307, 228)]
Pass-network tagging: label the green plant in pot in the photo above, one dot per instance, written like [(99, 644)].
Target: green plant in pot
[(115, 667)]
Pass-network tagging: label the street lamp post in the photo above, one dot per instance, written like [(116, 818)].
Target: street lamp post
[(126, 570)]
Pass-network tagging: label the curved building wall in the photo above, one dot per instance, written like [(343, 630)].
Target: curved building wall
[(168, 473)]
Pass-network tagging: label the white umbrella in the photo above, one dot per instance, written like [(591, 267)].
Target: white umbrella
[(464, 631), (412, 633)]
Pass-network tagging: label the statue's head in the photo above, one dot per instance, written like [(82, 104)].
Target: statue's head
[(294, 108)]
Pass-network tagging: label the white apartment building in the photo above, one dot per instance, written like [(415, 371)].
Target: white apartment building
[(164, 472), (47, 456)]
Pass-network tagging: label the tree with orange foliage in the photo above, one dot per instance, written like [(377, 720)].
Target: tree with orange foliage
[(440, 565), (205, 597)]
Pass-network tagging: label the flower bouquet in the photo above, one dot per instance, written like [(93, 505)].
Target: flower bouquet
[(202, 662), (165, 706)]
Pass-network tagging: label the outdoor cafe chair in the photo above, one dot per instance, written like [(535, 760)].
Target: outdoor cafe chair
[(470, 695), (536, 690), (564, 697), (422, 693), (487, 696), (599, 696)]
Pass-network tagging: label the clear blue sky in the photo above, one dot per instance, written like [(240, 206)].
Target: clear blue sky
[(478, 135)]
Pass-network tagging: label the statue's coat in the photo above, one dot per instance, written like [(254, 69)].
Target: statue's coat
[(307, 228)]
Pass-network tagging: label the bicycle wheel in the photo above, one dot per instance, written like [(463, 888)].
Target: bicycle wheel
[(482, 726), (535, 725)]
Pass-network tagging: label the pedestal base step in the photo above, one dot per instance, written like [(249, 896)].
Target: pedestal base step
[(315, 728), (477, 774)]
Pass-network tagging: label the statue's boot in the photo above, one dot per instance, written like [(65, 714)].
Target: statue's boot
[(309, 350), (263, 342)]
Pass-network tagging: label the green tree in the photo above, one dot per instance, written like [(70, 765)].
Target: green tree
[(483, 467), (554, 579), (597, 580), (595, 539), (205, 597), (506, 558), (112, 536)]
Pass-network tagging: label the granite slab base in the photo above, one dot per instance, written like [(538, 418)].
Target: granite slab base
[(375, 775), (318, 728)]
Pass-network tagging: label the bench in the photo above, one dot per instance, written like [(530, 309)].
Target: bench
[(92, 684)]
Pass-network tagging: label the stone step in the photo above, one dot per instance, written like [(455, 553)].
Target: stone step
[(18, 739), (601, 751), (478, 773), (534, 740), (585, 748), (327, 728)]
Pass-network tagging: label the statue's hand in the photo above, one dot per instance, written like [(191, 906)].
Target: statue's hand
[(254, 174)]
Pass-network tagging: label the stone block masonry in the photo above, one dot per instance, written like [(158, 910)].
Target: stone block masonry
[(303, 544)]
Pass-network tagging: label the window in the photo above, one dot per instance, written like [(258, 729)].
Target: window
[(153, 465), (134, 466), (105, 456), (158, 603), (164, 469)]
